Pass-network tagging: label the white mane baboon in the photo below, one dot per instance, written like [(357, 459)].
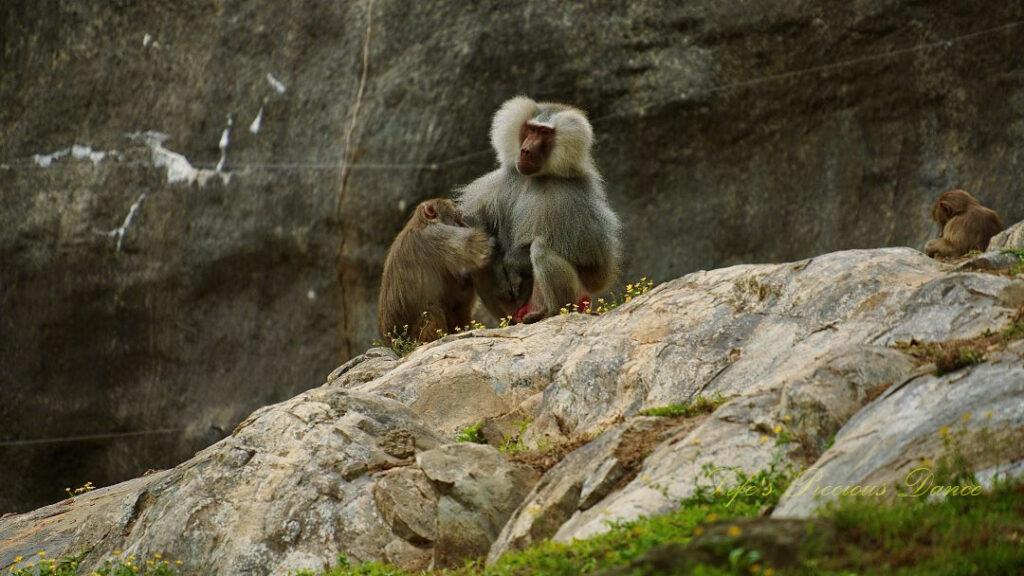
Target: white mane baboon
[(557, 240)]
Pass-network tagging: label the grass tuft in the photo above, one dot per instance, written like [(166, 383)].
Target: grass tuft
[(472, 433), (700, 405)]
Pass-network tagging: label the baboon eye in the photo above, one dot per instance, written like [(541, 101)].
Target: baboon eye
[(429, 211)]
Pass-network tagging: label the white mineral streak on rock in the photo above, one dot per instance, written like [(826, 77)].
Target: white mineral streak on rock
[(278, 86), (179, 169), (76, 152), (79, 152), (257, 122), (225, 142), (121, 230), (44, 160)]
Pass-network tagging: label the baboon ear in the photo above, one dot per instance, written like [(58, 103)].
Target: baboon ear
[(945, 206), (429, 211)]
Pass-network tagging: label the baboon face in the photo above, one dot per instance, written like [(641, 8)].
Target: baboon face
[(441, 210), (951, 203), (535, 143)]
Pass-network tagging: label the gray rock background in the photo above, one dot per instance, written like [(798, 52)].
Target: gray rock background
[(228, 295)]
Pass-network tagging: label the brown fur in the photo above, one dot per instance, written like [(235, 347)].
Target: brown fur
[(966, 225), (426, 285)]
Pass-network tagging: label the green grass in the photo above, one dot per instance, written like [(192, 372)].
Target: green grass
[(700, 405), (1019, 267), (514, 443), (913, 536), (400, 341), (472, 434)]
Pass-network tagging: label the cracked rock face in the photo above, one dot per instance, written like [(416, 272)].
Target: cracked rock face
[(297, 483), (365, 464), (733, 330), (896, 440), (1010, 239)]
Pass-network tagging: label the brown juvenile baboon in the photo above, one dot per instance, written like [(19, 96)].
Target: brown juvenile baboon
[(966, 225), (557, 239), (426, 285)]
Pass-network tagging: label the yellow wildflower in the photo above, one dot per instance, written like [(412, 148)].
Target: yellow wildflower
[(944, 431), (17, 559), (734, 531), (778, 429), (712, 517), (967, 417), (698, 530), (988, 415)]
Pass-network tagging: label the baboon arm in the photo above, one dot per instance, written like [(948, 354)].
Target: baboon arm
[(941, 247), (504, 285), (460, 250), (484, 284), (480, 201), (555, 282), (598, 277)]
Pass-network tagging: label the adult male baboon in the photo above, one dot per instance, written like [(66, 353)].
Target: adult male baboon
[(426, 285), (966, 225), (557, 238)]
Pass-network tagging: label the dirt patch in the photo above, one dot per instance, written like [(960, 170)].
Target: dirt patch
[(639, 440), (952, 355), (544, 460)]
